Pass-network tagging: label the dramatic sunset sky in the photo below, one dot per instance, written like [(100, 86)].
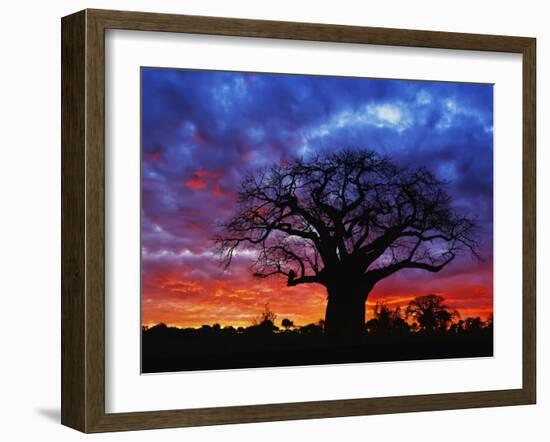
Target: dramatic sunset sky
[(201, 132)]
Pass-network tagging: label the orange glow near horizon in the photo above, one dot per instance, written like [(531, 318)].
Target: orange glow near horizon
[(179, 299)]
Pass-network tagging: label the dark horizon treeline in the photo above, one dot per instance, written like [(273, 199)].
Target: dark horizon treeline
[(428, 314), (425, 329)]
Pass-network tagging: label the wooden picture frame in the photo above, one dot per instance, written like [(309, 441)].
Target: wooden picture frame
[(83, 220)]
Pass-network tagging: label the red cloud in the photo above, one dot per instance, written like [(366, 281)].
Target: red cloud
[(154, 156), (202, 179), (196, 183), (218, 191)]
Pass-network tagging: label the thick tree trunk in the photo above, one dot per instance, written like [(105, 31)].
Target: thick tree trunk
[(345, 314)]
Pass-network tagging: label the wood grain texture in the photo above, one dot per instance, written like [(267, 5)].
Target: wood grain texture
[(308, 410), (144, 21), (529, 221), (73, 128), (83, 220), (95, 222)]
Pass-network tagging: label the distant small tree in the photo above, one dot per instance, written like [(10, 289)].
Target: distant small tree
[(386, 320), (264, 323), (431, 313), (159, 326), (311, 329), (457, 327), (287, 324), (160, 330), (230, 329), (474, 324), (266, 316), (205, 329)]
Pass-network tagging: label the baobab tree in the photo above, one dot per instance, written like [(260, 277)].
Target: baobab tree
[(431, 312), (345, 220)]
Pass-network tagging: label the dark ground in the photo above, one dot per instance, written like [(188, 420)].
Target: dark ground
[(167, 349)]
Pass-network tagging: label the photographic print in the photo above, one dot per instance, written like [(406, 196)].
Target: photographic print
[(302, 219)]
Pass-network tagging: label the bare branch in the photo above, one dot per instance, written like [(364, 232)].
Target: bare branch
[(350, 212)]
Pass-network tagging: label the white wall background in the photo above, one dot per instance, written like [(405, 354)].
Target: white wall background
[(30, 220)]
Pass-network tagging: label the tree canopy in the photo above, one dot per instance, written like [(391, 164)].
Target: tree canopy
[(431, 312), (349, 214)]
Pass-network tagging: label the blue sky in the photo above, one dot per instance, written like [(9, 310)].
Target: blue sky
[(202, 130)]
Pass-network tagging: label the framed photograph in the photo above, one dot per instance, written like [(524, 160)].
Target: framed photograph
[(270, 220)]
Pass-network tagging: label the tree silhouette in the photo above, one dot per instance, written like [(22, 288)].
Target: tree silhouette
[(266, 316), (345, 220), (386, 320), (264, 323), (431, 313), (474, 324), (287, 323)]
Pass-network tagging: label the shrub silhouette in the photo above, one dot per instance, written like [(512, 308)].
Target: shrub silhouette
[(266, 316), (287, 324), (386, 320)]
